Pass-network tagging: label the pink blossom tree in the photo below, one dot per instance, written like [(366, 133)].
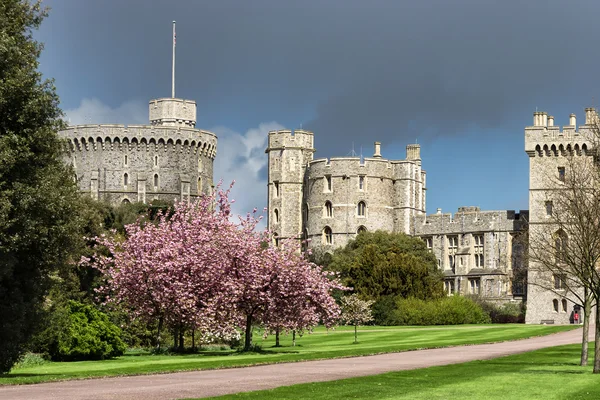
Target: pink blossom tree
[(198, 269), (176, 271)]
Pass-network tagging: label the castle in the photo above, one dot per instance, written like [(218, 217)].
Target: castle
[(327, 202), (168, 160)]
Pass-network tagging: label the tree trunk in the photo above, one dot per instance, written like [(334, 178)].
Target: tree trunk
[(248, 338), (294, 337), (193, 340), (181, 337), (597, 340), (355, 333), (160, 324), (277, 338), (587, 310)]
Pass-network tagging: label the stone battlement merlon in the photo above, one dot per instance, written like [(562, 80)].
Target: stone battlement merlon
[(286, 138), (172, 112), (476, 213)]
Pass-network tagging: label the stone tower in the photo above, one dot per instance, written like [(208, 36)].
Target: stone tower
[(549, 148), (328, 201), (289, 153), (169, 159)]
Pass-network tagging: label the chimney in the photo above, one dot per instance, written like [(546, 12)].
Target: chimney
[(377, 150), (572, 120), (439, 211), (544, 119), (550, 120)]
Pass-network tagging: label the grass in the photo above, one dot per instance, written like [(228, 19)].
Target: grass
[(548, 374), (318, 345)]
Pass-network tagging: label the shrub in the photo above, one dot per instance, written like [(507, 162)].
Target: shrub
[(452, 310), (86, 334), (508, 313)]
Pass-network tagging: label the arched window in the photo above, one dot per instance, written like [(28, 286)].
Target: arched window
[(156, 161), (328, 209), (361, 229), (126, 160), (327, 235), (199, 185), (276, 239), (555, 305), (199, 165), (564, 305), (155, 181), (126, 201), (125, 179), (362, 209), (276, 216)]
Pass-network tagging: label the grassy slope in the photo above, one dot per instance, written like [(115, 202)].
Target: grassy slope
[(318, 345), (550, 373)]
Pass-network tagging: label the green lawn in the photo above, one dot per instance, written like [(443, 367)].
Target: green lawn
[(550, 373), (318, 345)]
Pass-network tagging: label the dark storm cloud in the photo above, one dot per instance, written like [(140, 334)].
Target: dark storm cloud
[(386, 70)]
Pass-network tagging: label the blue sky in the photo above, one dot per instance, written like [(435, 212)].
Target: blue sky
[(462, 78)]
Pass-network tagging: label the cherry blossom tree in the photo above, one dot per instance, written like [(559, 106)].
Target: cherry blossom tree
[(197, 269), (356, 312)]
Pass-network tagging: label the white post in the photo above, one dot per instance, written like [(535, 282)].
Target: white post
[(173, 70)]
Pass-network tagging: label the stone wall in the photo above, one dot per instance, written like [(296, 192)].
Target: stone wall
[(551, 152), (480, 252), (166, 161)]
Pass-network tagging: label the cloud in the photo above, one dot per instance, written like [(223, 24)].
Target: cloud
[(241, 157), (94, 111)]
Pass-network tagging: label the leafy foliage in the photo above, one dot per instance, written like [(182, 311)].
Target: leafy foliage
[(453, 310), (85, 334), (356, 312), (508, 313), (37, 192), (198, 270), (380, 264)]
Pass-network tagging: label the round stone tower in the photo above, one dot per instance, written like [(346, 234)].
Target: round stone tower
[(169, 159)]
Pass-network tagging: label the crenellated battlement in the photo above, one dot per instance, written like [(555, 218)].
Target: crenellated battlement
[(181, 138), (286, 138), (470, 219), (544, 139), (172, 112)]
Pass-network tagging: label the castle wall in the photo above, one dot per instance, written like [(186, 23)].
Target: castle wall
[(480, 252), (329, 200), (177, 159)]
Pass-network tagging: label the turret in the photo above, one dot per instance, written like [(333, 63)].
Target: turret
[(172, 112)]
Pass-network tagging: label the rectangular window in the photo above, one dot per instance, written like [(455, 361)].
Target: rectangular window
[(560, 281), (478, 250), (449, 287), (452, 244), (429, 243), (474, 286), (361, 182), (561, 174), (328, 183), (548, 208)]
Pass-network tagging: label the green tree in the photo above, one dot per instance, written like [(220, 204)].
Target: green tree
[(37, 191), (380, 264)]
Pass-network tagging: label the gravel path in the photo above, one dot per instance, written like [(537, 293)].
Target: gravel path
[(224, 381)]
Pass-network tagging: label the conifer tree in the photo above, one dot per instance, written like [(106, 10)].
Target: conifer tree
[(37, 192)]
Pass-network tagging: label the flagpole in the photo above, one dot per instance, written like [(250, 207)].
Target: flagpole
[(173, 69)]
